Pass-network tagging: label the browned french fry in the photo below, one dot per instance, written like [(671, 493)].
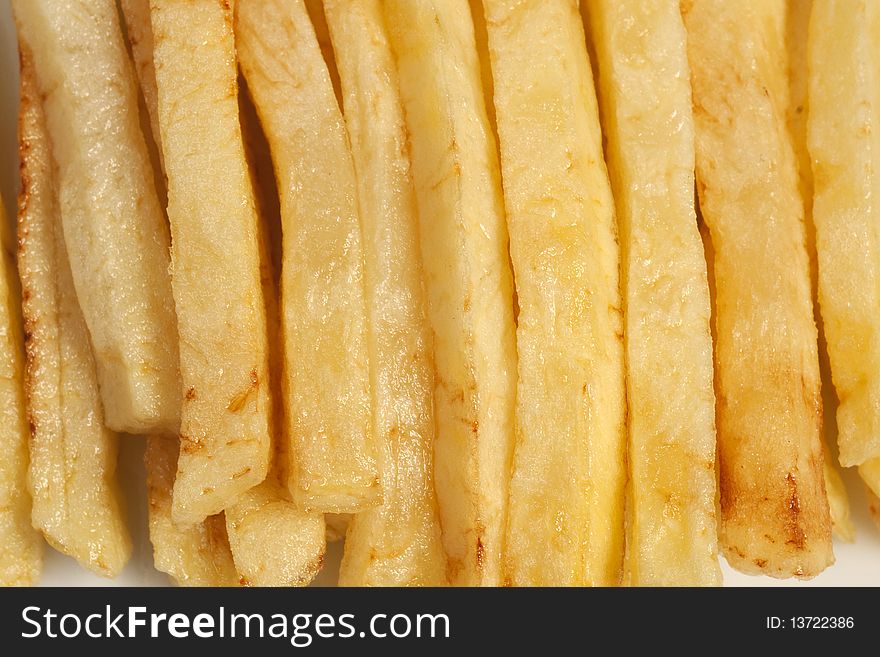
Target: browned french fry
[(797, 27), (110, 211), (225, 423), (76, 500), (20, 546), (774, 510)]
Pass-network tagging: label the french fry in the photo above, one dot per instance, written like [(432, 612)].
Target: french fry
[(140, 35), (844, 138), (332, 446), (870, 474), (113, 223), (838, 501), (322, 33), (774, 509), (273, 543), (397, 543), (797, 28), (195, 555), (21, 550), (71, 476), (463, 241), (481, 38), (644, 85), (566, 523), (225, 432)]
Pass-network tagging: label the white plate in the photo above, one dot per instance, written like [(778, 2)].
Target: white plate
[(857, 564)]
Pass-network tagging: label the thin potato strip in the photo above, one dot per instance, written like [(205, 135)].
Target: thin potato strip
[(838, 501), (644, 84), (110, 211), (797, 27), (467, 274), (567, 492), (324, 321), (196, 555), (273, 543), (844, 142), (71, 477), (225, 423), (397, 543), (322, 33), (140, 35), (774, 509), (21, 550)]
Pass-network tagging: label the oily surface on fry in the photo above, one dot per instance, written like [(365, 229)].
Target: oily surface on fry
[(644, 85), (113, 223), (774, 510), (71, 477), (467, 278), (397, 543), (273, 542), (224, 433), (193, 555), (452, 408), (844, 143), (20, 545), (796, 41), (326, 364), (566, 493)]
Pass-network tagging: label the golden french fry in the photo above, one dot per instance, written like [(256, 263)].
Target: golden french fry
[(332, 446), (195, 555), (397, 543), (224, 433), (567, 491), (844, 138), (76, 501), (110, 211), (273, 543), (774, 509), (21, 550), (136, 14), (322, 33), (467, 275), (797, 27), (644, 85)]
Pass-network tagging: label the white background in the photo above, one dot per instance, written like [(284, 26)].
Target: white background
[(857, 564)]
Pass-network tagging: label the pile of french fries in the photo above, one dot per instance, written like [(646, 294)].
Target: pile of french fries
[(431, 276)]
